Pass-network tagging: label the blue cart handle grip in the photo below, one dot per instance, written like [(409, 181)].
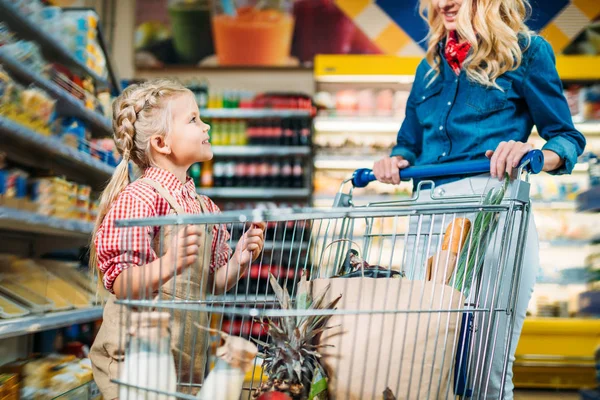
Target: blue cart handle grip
[(533, 161)]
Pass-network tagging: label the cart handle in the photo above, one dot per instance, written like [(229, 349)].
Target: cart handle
[(532, 162)]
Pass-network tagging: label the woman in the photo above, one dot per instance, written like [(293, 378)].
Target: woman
[(485, 82)]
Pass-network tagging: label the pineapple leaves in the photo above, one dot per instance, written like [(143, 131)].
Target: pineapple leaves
[(282, 295)]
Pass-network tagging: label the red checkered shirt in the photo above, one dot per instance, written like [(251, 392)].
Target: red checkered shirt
[(119, 248)]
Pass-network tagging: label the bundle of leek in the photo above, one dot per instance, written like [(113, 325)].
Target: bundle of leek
[(472, 255)]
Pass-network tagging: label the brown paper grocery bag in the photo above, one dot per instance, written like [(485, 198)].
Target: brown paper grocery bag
[(410, 353)]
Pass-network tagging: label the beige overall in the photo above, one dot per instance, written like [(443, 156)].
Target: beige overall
[(189, 344)]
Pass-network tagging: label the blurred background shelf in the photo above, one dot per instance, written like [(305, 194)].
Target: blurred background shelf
[(253, 113), (66, 104), (260, 151), (38, 323), (357, 124), (27, 221), (53, 49), (589, 201), (254, 193), (29, 147)]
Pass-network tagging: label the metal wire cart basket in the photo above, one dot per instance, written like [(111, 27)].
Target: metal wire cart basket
[(411, 299)]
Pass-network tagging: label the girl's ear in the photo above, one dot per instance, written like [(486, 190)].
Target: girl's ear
[(159, 145)]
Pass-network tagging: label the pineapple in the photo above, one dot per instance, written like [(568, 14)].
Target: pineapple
[(292, 358)]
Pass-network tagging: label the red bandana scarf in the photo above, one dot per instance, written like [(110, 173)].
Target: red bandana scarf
[(455, 52)]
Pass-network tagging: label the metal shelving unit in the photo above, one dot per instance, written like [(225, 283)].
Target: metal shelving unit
[(29, 147), (31, 222), (66, 103), (260, 151), (255, 193), (253, 113), (27, 233), (39, 323), (52, 48)]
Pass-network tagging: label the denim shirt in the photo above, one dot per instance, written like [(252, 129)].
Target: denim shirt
[(455, 119)]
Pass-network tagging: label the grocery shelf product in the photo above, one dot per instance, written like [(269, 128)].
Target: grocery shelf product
[(262, 131), (50, 196), (263, 173)]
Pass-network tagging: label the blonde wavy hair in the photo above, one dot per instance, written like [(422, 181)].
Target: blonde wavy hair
[(493, 27), (139, 113)]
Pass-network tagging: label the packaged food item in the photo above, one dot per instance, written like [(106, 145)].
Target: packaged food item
[(9, 387), (32, 300), (10, 309)]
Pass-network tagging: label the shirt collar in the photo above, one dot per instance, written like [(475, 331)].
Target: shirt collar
[(169, 181)]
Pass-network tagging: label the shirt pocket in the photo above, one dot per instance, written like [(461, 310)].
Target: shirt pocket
[(486, 99), (427, 102)]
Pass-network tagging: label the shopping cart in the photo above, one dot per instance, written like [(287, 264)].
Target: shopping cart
[(426, 304)]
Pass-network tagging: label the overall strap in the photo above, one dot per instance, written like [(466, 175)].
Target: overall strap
[(165, 195)]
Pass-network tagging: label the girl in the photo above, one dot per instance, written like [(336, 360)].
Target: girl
[(158, 128), (485, 81)]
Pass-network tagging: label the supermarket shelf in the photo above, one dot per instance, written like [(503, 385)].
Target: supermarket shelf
[(22, 143), (52, 48), (392, 125), (40, 323), (565, 243), (258, 151), (27, 221), (348, 163), (354, 68), (357, 124), (553, 205), (588, 128), (253, 113), (254, 193), (589, 201), (66, 103)]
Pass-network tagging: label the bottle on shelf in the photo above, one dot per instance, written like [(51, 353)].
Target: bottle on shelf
[(288, 133), (219, 174), (298, 173), (206, 176), (195, 173), (263, 173), (286, 174), (229, 180), (275, 174), (215, 133), (305, 134), (252, 171)]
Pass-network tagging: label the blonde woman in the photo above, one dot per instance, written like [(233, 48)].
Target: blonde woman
[(157, 127), (485, 82)]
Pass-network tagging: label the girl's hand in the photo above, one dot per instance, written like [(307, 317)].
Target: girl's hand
[(250, 244), (506, 158), (387, 170), (183, 247)]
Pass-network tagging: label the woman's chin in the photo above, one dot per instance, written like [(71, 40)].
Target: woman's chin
[(450, 26)]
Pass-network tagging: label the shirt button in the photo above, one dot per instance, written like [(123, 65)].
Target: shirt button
[(449, 103), (456, 81), (422, 97), (441, 128), (444, 154)]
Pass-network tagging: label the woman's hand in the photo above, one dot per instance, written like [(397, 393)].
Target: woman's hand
[(387, 170), (506, 158), (250, 244)]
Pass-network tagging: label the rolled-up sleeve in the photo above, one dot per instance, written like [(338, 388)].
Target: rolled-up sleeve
[(409, 142), (548, 107), (120, 248)]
